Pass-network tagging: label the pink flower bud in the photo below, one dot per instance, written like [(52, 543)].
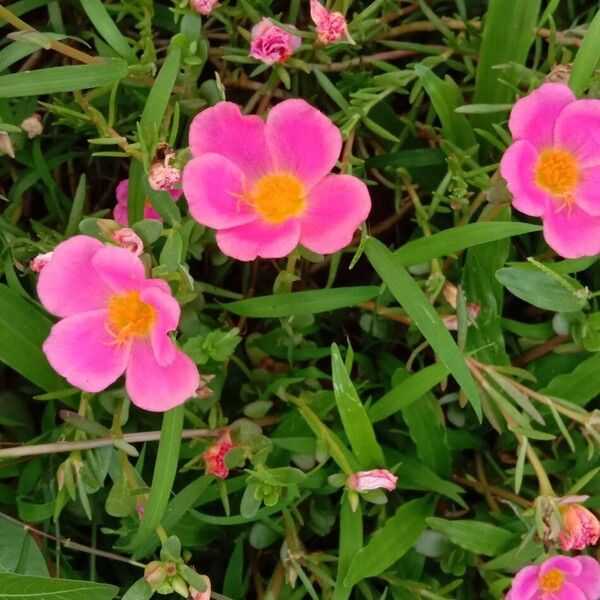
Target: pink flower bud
[(271, 44), (128, 239), (451, 321), (214, 456), (580, 527), (163, 177), (204, 7), (37, 263), (363, 481), (205, 595), (331, 26), (32, 126)]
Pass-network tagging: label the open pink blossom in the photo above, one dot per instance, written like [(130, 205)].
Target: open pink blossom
[(114, 321), (271, 44), (553, 167), (559, 578), (214, 456), (580, 527), (266, 187), (204, 7), (37, 263), (331, 25), (363, 481), (120, 210)]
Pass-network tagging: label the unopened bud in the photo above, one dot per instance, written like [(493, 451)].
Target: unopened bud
[(155, 573), (32, 126), (37, 263), (127, 238)]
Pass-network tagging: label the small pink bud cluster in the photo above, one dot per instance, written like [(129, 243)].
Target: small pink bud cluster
[(214, 456)]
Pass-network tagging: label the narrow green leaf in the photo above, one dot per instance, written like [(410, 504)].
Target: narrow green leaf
[(18, 551), (26, 587), (354, 417), (62, 79), (587, 58), (302, 303), (406, 291), (351, 540), (105, 26)]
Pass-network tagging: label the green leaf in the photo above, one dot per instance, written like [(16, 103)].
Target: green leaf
[(390, 542), (458, 238), (351, 540), (140, 590), (302, 303), (23, 329), (587, 58), (106, 27), (406, 291), (13, 587), (62, 79), (407, 391), (475, 536), (18, 552), (579, 386), (445, 97), (354, 417)]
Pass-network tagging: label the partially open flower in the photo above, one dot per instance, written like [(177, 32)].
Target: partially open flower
[(204, 7), (32, 125), (580, 527), (205, 595), (271, 44), (37, 263), (363, 481), (331, 25), (214, 456), (127, 238)]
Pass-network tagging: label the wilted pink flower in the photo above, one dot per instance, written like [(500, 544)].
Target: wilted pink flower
[(266, 187), (214, 456), (114, 321), (128, 239), (120, 210), (559, 578), (204, 7), (363, 481), (37, 263), (163, 177), (553, 167), (580, 527), (271, 44), (451, 321), (32, 125), (331, 26), (205, 595)]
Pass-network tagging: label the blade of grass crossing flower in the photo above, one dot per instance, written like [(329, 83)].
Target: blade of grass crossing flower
[(354, 417), (106, 27), (62, 79), (351, 541), (162, 480), (406, 291), (587, 58)]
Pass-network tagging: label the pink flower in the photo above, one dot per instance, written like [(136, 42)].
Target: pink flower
[(363, 481), (266, 187), (580, 527), (128, 239), (331, 26), (451, 321), (559, 578), (37, 263), (114, 321), (205, 595), (214, 456), (163, 177), (271, 44), (204, 7), (553, 167), (120, 210)]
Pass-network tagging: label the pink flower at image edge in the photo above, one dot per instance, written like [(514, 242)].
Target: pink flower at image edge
[(331, 26), (364, 481), (553, 167), (204, 7), (580, 527), (558, 578), (120, 210), (271, 44), (114, 321), (266, 186)]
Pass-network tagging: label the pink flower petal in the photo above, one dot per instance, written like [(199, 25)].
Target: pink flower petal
[(518, 168), (571, 232), (213, 186), (259, 238), (578, 129), (335, 208), (167, 319), (223, 129), (533, 117), (569, 566), (68, 284), (568, 591), (303, 141), (587, 194), (525, 584), (588, 581), (158, 388), (119, 268), (82, 350), (318, 12)]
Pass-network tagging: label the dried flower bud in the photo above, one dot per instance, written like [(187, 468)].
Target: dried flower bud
[(580, 527), (32, 125), (155, 573), (127, 238), (37, 263), (214, 456), (204, 7), (331, 25), (363, 481), (163, 177), (559, 74)]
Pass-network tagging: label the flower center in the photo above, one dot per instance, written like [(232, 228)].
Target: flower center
[(129, 317), (552, 581), (557, 172), (278, 197)]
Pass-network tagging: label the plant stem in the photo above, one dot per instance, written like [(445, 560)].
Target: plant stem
[(545, 485)]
